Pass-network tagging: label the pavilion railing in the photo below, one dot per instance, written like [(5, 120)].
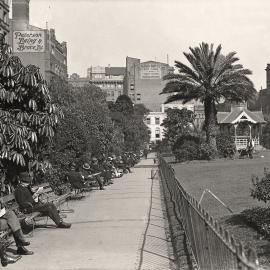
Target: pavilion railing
[(241, 141), (212, 246)]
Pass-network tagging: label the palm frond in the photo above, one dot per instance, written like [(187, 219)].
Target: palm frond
[(187, 70), (178, 96), (209, 74)]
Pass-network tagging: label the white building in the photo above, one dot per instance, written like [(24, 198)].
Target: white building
[(179, 105), (153, 122), (155, 119)]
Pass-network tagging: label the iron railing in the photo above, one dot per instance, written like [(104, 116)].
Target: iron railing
[(212, 246)]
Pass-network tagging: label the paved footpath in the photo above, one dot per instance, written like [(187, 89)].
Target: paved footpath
[(123, 227)]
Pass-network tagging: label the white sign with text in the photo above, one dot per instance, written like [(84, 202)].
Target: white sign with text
[(28, 41)]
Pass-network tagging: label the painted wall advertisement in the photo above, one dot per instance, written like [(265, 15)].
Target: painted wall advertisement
[(28, 41)]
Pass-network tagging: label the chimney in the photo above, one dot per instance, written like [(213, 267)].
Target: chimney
[(52, 33), (20, 11), (268, 77)]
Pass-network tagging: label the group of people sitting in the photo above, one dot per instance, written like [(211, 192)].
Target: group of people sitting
[(101, 171), (24, 196)]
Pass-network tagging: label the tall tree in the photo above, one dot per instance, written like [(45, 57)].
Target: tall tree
[(210, 77), (123, 104), (28, 118), (129, 119), (178, 123)]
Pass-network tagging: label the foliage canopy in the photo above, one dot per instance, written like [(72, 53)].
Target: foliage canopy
[(210, 78)]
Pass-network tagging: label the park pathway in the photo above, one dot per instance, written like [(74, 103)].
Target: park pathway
[(121, 228)]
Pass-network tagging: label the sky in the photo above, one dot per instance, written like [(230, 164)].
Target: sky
[(103, 32)]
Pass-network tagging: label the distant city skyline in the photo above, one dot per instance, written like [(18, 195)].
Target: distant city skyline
[(102, 32)]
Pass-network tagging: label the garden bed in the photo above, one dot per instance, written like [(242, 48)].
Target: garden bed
[(230, 180), (246, 233)]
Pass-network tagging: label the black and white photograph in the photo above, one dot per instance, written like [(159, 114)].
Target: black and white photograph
[(134, 134)]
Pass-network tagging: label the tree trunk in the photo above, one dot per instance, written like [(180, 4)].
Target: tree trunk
[(211, 126)]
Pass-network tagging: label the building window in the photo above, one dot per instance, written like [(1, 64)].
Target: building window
[(157, 133), (148, 120), (157, 121), (98, 76)]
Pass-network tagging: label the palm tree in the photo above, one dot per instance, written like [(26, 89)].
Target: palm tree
[(211, 78)]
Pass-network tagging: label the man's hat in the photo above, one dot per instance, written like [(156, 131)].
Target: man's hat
[(86, 166), (94, 159), (25, 177)]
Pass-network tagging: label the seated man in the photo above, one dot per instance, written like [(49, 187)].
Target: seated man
[(75, 178), (8, 219), (24, 197), (95, 169)]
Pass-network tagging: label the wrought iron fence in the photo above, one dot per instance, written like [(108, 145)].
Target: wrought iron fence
[(213, 247)]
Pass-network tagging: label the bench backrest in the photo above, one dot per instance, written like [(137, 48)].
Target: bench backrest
[(7, 199)]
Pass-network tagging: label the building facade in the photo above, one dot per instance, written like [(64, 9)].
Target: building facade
[(264, 95), (153, 122), (144, 82), (35, 45), (242, 124), (76, 81), (109, 79), (4, 18)]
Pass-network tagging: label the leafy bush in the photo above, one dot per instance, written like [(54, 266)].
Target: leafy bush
[(187, 148), (225, 145), (258, 218), (207, 152), (28, 118), (261, 187), (129, 120)]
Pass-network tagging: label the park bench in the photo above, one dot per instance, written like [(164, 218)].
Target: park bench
[(29, 218), (48, 195), (79, 193)]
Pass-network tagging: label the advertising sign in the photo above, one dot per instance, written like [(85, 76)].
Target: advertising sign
[(28, 41)]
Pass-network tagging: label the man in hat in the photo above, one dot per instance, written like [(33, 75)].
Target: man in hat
[(24, 198), (75, 178)]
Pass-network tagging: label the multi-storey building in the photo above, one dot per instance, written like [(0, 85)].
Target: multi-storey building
[(35, 45), (144, 82), (109, 79), (263, 101), (4, 18), (76, 81), (154, 120)]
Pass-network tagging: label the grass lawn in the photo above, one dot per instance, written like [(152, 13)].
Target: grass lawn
[(230, 180)]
